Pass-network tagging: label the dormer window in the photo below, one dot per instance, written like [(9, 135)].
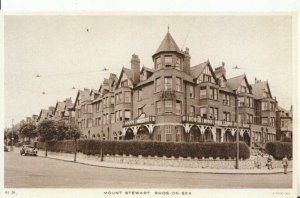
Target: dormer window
[(168, 61), (124, 81)]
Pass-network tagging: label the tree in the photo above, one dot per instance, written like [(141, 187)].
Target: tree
[(9, 137), (73, 133), (28, 130), (62, 129), (48, 132)]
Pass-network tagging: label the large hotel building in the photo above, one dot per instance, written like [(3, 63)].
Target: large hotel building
[(177, 102)]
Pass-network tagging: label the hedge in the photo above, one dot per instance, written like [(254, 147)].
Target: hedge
[(66, 146), (152, 148), (279, 149)]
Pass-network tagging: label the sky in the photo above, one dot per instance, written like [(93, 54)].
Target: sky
[(70, 50)]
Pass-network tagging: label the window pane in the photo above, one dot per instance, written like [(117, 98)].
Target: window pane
[(127, 115), (158, 63), (191, 92), (168, 84), (178, 107), (168, 60), (192, 111), (158, 107), (177, 63), (158, 84), (168, 106), (168, 132), (127, 97), (178, 84), (202, 92)]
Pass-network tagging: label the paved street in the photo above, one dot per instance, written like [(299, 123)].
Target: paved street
[(40, 172)]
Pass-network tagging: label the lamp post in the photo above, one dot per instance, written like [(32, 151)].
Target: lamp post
[(12, 134), (237, 132)]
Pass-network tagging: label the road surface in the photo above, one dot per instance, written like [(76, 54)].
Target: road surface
[(41, 172)]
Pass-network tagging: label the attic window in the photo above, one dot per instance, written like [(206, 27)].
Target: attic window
[(168, 61)]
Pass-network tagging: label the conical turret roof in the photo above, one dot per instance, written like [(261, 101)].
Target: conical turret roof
[(168, 44)]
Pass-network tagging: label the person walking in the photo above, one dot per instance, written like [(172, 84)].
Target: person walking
[(258, 161), (269, 162), (285, 164)]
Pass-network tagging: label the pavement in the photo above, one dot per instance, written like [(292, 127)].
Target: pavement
[(263, 171)]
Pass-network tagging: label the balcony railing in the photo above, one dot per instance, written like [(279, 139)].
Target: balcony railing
[(197, 120), (145, 120), (200, 120), (286, 129)]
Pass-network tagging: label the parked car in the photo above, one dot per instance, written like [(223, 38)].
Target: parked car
[(5, 148), (28, 150)]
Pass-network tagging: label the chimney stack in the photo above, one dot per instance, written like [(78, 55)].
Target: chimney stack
[(135, 66), (219, 71), (187, 61)]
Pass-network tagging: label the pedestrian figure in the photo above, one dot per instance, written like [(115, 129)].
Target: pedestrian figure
[(258, 161), (269, 163), (285, 164)]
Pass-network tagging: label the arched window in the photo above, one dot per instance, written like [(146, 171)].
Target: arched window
[(120, 135), (115, 136)]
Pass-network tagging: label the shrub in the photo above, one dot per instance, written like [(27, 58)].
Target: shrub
[(286, 139), (279, 149), (152, 148)]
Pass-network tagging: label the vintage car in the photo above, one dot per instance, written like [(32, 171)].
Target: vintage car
[(5, 148), (28, 150)]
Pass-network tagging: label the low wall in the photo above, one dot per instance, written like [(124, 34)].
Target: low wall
[(171, 162)]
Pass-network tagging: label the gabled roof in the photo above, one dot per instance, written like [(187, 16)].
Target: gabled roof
[(94, 91), (43, 112), (85, 92), (219, 75), (168, 44), (129, 74), (196, 70), (59, 106), (147, 69), (235, 82), (259, 88)]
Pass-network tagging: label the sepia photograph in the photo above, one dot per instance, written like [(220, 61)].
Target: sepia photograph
[(149, 105)]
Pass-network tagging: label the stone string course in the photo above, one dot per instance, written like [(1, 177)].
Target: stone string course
[(170, 162)]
